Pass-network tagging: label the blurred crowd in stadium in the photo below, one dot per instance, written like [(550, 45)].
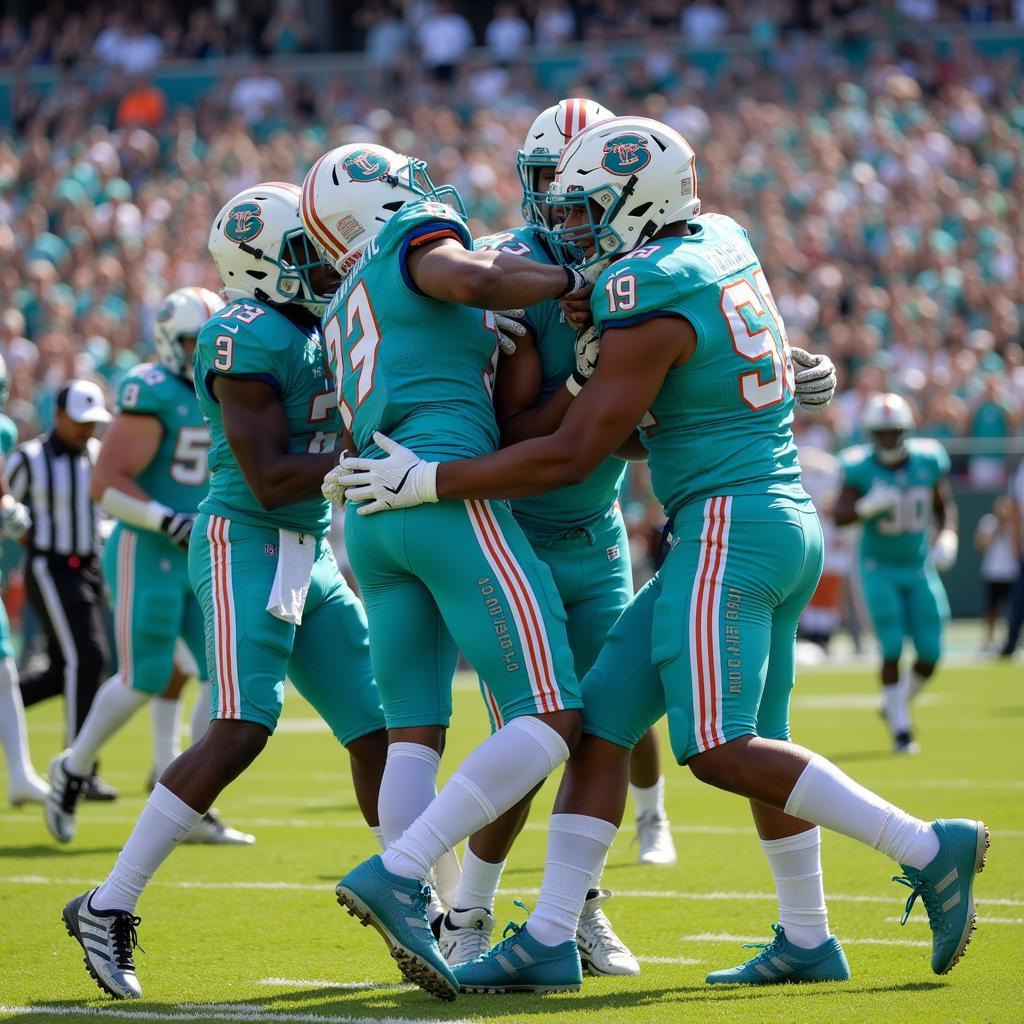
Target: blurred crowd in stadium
[(886, 200)]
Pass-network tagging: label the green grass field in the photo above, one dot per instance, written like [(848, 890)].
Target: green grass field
[(254, 934)]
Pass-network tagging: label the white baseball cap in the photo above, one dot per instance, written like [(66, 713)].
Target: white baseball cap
[(83, 402)]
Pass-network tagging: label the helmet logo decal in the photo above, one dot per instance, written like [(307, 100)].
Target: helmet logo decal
[(165, 312), (363, 165), (244, 222), (626, 154)]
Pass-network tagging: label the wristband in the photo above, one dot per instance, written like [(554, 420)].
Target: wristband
[(147, 515)]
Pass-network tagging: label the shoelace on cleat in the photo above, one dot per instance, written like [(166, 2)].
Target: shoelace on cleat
[(929, 897), (604, 935), (768, 947), (421, 901), (126, 939), (647, 824)]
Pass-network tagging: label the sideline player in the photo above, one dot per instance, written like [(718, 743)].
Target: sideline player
[(898, 488), (273, 600), (23, 784), (150, 476), (693, 349), (415, 353)]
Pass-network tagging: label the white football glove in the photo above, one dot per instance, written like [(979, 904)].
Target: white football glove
[(944, 550), (815, 379), (400, 480), (332, 488), (15, 518), (880, 499), (509, 328), (588, 346)]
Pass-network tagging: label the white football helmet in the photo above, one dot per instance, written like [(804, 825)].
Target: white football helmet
[(179, 319), (631, 176), (885, 414), (547, 137), (351, 192), (261, 250)]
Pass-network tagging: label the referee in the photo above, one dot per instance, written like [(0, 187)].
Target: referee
[(50, 475)]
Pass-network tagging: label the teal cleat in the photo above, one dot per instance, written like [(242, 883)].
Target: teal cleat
[(780, 962), (397, 907), (522, 964), (946, 887)]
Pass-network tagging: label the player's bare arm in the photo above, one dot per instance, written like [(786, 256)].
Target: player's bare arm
[(257, 431), (944, 506), (846, 506), (446, 270), (128, 448), (634, 362)]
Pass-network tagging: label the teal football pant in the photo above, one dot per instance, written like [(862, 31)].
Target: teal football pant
[(906, 601), (154, 604), (232, 566), (459, 575), (711, 640)]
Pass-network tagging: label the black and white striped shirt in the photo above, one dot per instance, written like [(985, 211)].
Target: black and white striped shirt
[(53, 482)]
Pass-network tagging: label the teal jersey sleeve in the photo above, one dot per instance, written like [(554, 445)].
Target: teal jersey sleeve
[(253, 341), (413, 367), (8, 435), (721, 423), (855, 464)]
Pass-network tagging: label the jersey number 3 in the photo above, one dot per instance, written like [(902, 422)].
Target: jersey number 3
[(758, 335)]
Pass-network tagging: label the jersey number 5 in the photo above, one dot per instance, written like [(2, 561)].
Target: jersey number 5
[(758, 335)]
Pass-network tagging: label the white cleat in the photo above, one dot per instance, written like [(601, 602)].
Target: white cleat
[(209, 830), (465, 935), (655, 838), (29, 790), (601, 950), (904, 744), (65, 792), (108, 938)]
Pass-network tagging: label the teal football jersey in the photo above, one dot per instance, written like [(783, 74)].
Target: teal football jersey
[(419, 370), (252, 340), (721, 422), (588, 501), (902, 536), (8, 435), (177, 474)]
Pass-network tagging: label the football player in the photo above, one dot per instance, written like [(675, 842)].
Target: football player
[(693, 349), (897, 487), (150, 477), (414, 349), (274, 603)]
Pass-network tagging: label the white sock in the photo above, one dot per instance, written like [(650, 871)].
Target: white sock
[(576, 845), (796, 867), (828, 796), (113, 705), (649, 798), (406, 788), (479, 882), (200, 720), (166, 716), (13, 733), (595, 878), (164, 821), (502, 770), (896, 700), (378, 833)]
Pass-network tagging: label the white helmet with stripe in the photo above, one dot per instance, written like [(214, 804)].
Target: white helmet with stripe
[(179, 319), (630, 176), (351, 192), (889, 415), (261, 250), (548, 135)]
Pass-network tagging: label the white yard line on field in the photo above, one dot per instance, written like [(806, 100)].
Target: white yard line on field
[(726, 937), (981, 920), (636, 894), (250, 1013), (349, 986)]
